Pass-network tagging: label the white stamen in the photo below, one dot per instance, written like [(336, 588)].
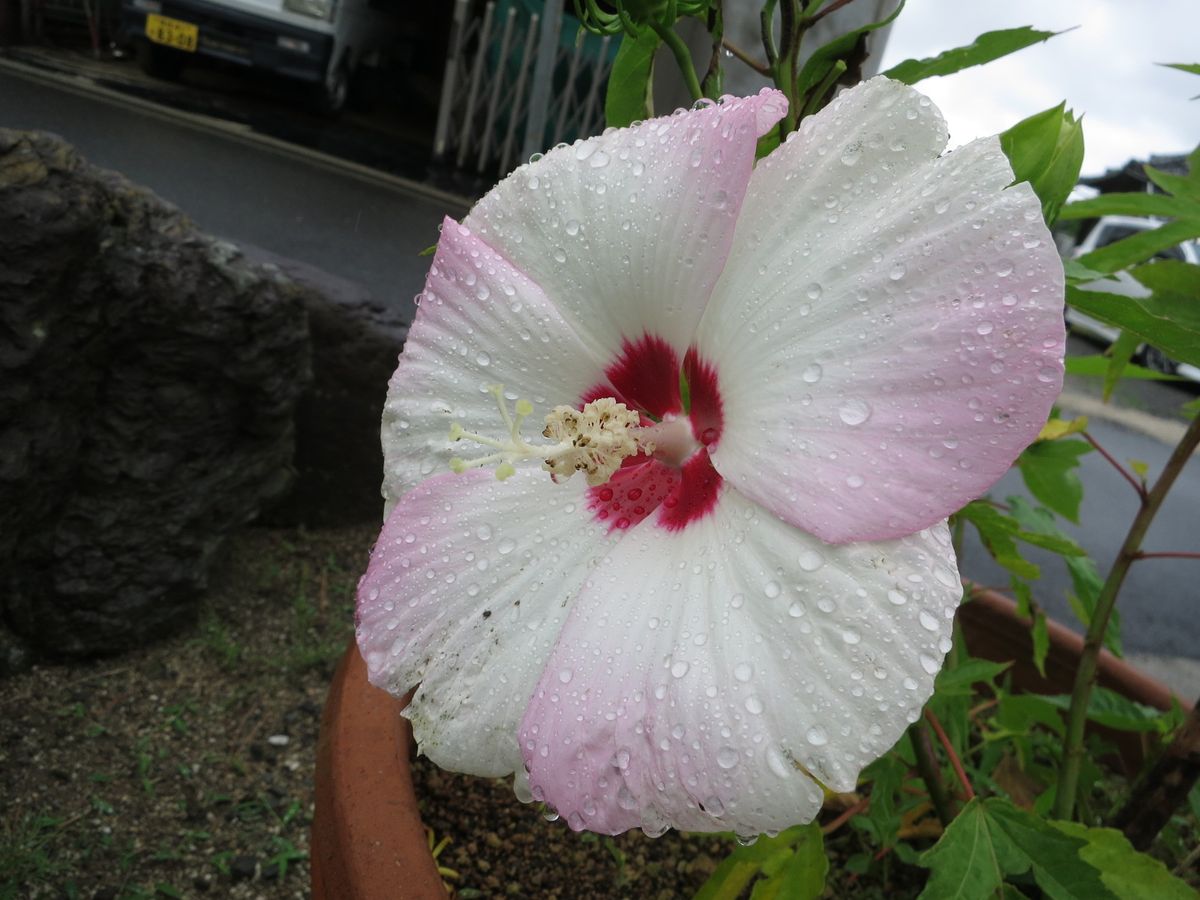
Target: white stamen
[(593, 440)]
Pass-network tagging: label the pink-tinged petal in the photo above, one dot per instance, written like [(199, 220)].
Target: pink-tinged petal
[(480, 321), (627, 232), (888, 332), (466, 592), (703, 673)]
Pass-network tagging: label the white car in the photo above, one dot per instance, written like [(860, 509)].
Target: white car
[(321, 42), (1108, 230)]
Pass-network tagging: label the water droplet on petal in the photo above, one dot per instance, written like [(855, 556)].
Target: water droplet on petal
[(929, 664), (506, 546), (743, 672), (854, 411), (484, 532), (812, 374), (817, 736), (753, 705), (898, 271), (772, 589), (572, 227), (727, 757), (679, 668)]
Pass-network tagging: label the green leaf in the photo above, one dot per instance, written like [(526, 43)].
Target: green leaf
[(1085, 578), (1108, 708), (1126, 872), (886, 775), (841, 49), (1169, 322), (801, 876), (1120, 353), (991, 839), (1077, 273), (989, 46), (1137, 204), (1096, 366), (1193, 68), (1141, 246), (1046, 150), (629, 84), (997, 532), (1183, 186), (741, 866), (970, 671), (1041, 641), (1048, 470)]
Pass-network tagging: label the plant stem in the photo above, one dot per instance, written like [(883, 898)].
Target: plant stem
[(1085, 675), (747, 59), (1137, 485), (1164, 788), (683, 57), (931, 772), (846, 816), (1169, 554), (949, 748), (714, 77), (785, 65)]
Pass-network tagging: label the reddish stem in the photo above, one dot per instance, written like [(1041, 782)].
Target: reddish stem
[(1125, 473), (847, 815), (954, 760), (1169, 554)]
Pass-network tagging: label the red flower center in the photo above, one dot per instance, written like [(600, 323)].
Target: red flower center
[(646, 376)]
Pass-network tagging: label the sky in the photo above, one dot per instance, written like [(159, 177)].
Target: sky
[(1104, 69)]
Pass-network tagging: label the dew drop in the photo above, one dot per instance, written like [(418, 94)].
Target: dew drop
[(941, 205), (772, 589), (506, 546), (928, 621), (854, 411), (850, 636), (564, 675), (796, 610), (754, 706), (984, 328), (743, 672), (929, 664), (812, 374), (855, 481), (679, 668), (813, 291), (896, 597), (1004, 268), (572, 227), (625, 798), (483, 359), (484, 532), (898, 271), (817, 736), (810, 560), (560, 255), (727, 757)]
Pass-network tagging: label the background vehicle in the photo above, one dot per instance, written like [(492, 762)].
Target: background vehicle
[(321, 42), (1108, 230)]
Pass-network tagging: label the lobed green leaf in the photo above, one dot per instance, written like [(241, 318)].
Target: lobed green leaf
[(989, 46)]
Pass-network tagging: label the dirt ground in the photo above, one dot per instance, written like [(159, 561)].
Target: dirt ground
[(185, 769)]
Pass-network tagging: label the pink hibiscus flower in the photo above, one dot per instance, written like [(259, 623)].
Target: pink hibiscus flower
[(829, 352)]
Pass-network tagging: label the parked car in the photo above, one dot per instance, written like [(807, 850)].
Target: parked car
[(321, 42), (1108, 230)]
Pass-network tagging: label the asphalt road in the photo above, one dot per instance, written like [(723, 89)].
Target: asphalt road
[(361, 231), (370, 234)]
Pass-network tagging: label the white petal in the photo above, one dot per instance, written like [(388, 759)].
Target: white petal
[(888, 332), (710, 668), (466, 592), (481, 321), (627, 232)]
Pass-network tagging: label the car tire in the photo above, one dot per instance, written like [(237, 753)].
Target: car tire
[(1155, 359), (160, 62), (332, 95)]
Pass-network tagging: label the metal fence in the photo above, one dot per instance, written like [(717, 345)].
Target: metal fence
[(518, 79)]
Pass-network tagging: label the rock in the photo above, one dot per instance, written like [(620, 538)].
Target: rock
[(149, 377), (243, 868), (339, 461)]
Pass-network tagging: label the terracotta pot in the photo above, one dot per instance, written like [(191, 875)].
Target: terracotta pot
[(993, 630), (368, 842)]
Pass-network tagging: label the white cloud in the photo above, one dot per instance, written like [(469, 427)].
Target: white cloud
[(1105, 69)]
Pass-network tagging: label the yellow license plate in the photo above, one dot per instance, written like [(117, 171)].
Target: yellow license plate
[(172, 32)]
